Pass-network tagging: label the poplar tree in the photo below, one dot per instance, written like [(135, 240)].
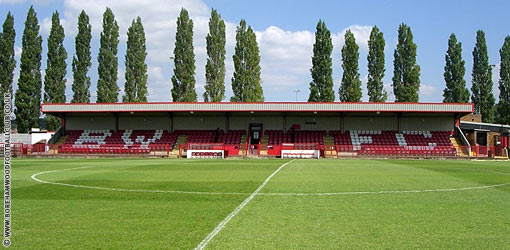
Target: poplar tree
[(135, 87), (107, 89), (406, 73), (28, 94), (350, 88), (183, 80), (82, 61), (246, 80), (7, 61), (215, 67), (454, 71), (504, 83), (54, 79), (481, 90), (376, 69), (321, 87)]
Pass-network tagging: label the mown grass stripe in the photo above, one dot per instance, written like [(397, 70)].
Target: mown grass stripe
[(222, 224)]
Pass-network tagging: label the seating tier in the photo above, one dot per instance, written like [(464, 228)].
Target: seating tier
[(94, 139), (393, 142), (277, 137)]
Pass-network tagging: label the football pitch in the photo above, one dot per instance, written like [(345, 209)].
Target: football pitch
[(260, 204)]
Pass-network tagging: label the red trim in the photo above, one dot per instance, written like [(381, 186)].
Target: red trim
[(234, 103), (278, 110)]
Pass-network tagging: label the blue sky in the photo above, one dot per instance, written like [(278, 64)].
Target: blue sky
[(285, 34)]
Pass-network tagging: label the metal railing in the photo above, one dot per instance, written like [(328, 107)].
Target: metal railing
[(95, 149), (58, 133), (463, 139)]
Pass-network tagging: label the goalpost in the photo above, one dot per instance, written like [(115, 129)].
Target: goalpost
[(300, 150)]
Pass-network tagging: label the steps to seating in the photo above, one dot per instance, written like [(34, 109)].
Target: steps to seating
[(61, 140), (181, 140), (329, 140), (242, 145), (461, 151)]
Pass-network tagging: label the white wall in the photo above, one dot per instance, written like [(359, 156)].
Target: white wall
[(36, 137), (18, 138), (28, 139)]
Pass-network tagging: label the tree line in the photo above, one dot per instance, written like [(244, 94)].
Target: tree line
[(406, 72), (246, 80)]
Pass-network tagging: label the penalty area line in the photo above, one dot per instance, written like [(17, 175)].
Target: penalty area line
[(222, 224)]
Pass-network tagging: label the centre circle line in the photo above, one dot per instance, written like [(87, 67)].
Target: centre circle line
[(35, 178)]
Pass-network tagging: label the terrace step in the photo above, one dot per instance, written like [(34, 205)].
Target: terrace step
[(181, 139), (61, 140), (264, 140), (461, 150), (329, 140), (242, 146)]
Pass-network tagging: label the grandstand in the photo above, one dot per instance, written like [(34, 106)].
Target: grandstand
[(283, 129)]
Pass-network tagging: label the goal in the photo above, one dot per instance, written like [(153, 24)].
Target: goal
[(300, 150)]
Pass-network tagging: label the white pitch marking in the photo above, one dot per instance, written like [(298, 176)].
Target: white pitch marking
[(386, 192), (222, 224), (400, 191), (34, 177), (483, 170)]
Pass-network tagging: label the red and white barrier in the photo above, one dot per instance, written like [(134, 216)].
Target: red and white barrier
[(204, 153)]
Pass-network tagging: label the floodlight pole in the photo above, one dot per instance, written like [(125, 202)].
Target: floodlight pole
[(296, 91)]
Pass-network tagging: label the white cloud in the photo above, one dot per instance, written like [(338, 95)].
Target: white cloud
[(364, 90), (285, 55), (23, 1), (159, 20), (361, 34), (17, 51), (495, 81), (41, 1), (155, 72), (285, 59), (389, 89), (427, 90), (12, 1)]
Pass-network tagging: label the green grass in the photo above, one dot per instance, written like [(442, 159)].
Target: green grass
[(47, 216)]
